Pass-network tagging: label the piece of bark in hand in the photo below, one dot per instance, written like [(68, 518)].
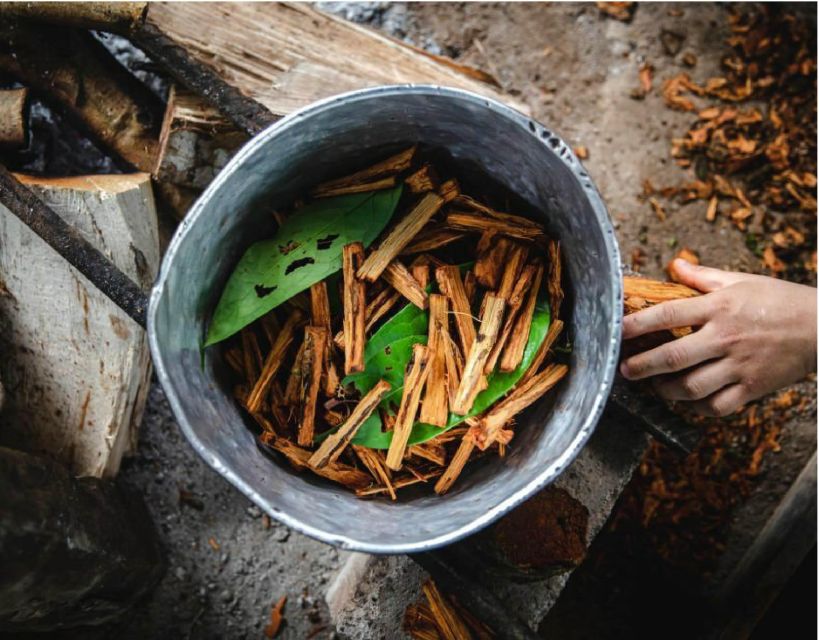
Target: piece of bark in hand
[(478, 354), (519, 335), (335, 443), (492, 251), (399, 237), (414, 379), (312, 363), (434, 409), (274, 361), (400, 279), (423, 180), (355, 308), (389, 167), (640, 293)]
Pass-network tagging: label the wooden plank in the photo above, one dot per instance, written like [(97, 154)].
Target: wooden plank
[(76, 367)]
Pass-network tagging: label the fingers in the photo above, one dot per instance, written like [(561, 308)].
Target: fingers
[(704, 279), (673, 356), (724, 402), (668, 315), (698, 384)]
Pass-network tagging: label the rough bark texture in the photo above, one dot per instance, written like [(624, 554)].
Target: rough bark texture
[(13, 125), (73, 551)]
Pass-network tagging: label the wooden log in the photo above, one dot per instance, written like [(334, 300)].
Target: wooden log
[(13, 118), (399, 237), (76, 380), (89, 85), (554, 282), (414, 379), (195, 142), (355, 308), (450, 190), (119, 17), (75, 552), (335, 443), (478, 354), (284, 55)]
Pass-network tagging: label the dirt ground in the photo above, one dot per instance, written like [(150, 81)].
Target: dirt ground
[(575, 70)]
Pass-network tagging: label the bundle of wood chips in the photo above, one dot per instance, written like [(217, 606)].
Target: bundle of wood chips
[(441, 617), (513, 260)]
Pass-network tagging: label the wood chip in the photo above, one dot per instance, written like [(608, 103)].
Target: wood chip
[(400, 279), (274, 361), (473, 222), (423, 180), (431, 239), (355, 308), (374, 462), (456, 465), (491, 259), (414, 379), (449, 281), (390, 167), (335, 443), (513, 351), (376, 185), (434, 409), (399, 237), (513, 304), (312, 363), (447, 620), (276, 618)]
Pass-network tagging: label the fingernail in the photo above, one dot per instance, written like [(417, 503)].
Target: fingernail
[(624, 369)]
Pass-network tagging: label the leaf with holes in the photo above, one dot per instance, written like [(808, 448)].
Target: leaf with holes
[(305, 250), (378, 363)]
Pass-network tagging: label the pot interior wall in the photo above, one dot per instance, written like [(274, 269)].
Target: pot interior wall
[(329, 140)]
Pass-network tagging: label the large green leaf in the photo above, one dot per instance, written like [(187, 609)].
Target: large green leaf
[(390, 366), (306, 249)]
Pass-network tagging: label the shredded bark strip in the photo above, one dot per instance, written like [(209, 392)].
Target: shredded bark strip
[(414, 379), (273, 362), (434, 409), (400, 279), (389, 167), (354, 309)]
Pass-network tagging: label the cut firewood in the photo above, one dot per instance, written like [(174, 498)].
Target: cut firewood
[(474, 222), (519, 336), (456, 465), (196, 141), (491, 261), (76, 383), (274, 361), (77, 72), (431, 239), (337, 472), (554, 283), (342, 190), (13, 118), (119, 17), (335, 443), (450, 190), (355, 309), (374, 462), (312, 363), (514, 303), (449, 281), (543, 351), (471, 203), (434, 409), (399, 237), (286, 55), (400, 279), (478, 354), (414, 379), (320, 317), (423, 180), (519, 399), (386, 169)]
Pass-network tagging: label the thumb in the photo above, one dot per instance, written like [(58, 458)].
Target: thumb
[(704, 279)]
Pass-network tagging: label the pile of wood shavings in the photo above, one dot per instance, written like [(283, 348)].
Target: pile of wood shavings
[(289, 364), (752, 148)]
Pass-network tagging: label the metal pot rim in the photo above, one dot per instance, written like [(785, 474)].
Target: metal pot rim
[(510, 502)]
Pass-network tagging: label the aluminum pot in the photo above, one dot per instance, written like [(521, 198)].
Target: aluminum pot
[(323, 140)]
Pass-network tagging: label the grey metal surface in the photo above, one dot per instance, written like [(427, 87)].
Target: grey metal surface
[(319, 141)]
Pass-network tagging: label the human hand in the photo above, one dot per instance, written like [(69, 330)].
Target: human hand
[(756, 334)]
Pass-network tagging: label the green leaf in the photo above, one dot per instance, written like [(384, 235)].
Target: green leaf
[(306, 249), (390, 366)]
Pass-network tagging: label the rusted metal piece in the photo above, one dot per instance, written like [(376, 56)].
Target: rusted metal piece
[(71, 245), (246, 113)]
